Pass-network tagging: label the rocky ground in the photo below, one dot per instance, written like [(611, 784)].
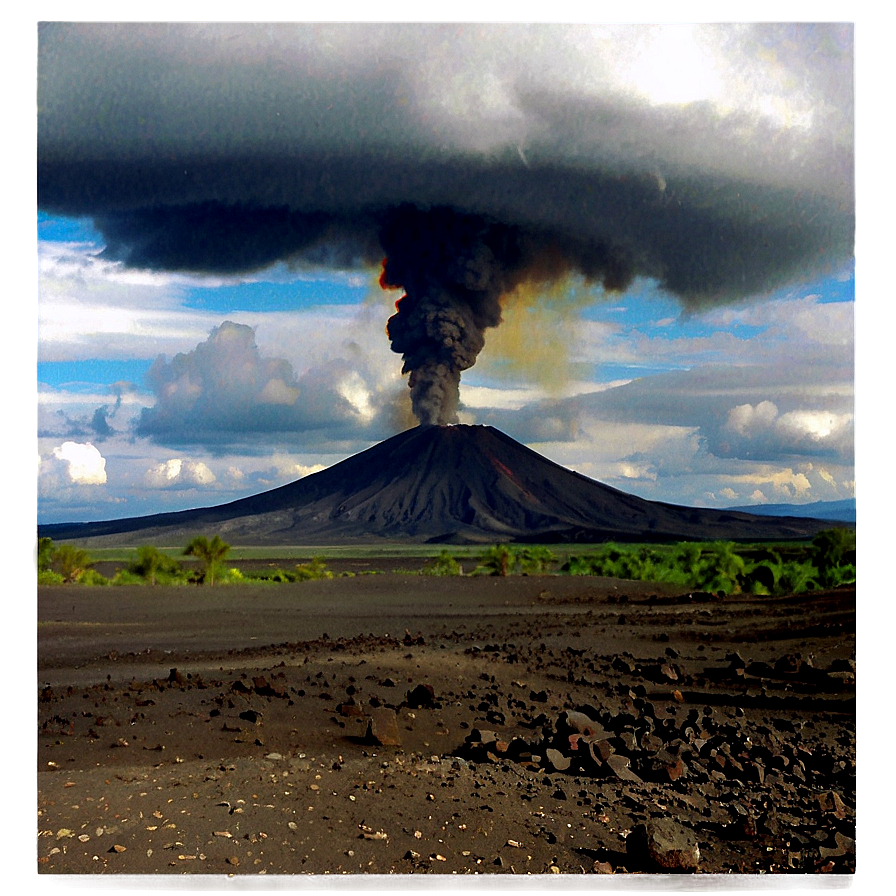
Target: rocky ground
[(405, 724)]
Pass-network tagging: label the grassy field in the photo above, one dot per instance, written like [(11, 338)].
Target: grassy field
[(394, 551)]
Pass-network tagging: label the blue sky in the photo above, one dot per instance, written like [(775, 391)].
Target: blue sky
[(169, 380), (632, 407)]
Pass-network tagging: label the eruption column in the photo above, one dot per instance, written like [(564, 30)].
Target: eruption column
[(454, 268)]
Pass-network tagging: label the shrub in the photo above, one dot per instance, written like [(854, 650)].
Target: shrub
[(45, 551), (579, 566), (796, 577), (92, 577), (155, 567), (498, 560), (126, 577), (48, 577), (722, 569), (829, 551), (534, 560), (71, 562), (314, 569), (443, 565)]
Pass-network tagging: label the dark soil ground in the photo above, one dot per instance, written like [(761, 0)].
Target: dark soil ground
[(416, 725)]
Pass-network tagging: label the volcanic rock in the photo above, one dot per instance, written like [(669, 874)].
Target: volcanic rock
[(664, 845), (382, 728)]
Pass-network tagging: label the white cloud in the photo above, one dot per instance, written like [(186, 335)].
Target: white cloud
[(179, 473), (84, 463), (764, 427), (745, 418), (225, 390), (804, 319)]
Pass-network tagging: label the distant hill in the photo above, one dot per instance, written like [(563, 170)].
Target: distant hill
[(841, 511), (440, 484)]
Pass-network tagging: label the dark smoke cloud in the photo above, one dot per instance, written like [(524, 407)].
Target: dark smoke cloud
[(472, 157), (455, 268)]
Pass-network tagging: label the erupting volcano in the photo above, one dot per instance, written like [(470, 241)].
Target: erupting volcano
[(449, 484)]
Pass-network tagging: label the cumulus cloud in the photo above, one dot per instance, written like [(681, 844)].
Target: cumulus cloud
[(226, 390), (179, 473), (81, 463), (762, 431)]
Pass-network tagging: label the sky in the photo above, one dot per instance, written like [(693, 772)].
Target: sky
[(630, 248)]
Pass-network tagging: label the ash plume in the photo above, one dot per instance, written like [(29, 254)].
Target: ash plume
[(474, 157), (454, 269)]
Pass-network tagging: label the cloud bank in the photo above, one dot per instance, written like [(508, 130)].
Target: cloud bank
[(715, 160)]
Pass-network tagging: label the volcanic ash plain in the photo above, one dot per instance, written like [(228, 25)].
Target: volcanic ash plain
[(408, 724)]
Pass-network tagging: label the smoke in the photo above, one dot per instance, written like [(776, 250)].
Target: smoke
[(476, 158), (455, 268)]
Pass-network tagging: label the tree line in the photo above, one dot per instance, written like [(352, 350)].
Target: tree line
[(719, 567)]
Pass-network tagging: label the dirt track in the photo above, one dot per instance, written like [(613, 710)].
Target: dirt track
[(247, 730)]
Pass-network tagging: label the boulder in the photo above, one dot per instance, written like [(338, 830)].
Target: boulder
[(382, 727), (664, 845)]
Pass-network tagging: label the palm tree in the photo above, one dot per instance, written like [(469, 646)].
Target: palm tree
[(499, 560), (210, 553)]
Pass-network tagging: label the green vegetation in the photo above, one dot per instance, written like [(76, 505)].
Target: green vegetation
[(505, 560), (315, 569), (726, 568), (443, 565), (719, 567), (155, 567), (65, 564), (210, 553)]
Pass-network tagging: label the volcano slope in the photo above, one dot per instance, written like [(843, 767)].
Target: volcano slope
[(441, 484)]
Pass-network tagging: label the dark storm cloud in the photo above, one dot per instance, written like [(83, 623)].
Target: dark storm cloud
[(228, 148)]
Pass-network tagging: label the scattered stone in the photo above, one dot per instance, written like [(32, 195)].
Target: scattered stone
[(368, 833), (669, 672), (664, 845), (830, 802), (557, 760), (579, 723), (421, 697), (382, 727), (620, 767)]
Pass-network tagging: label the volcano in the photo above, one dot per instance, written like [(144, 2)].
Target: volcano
[(441, 484)]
